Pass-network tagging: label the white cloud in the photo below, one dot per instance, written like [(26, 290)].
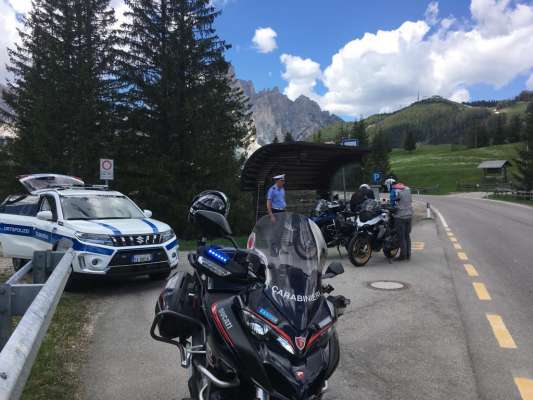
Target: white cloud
[(460, 95), (529, 83), (264, 40), (120, 8), (432, 13), (301, 74), (8, 33), (21, 6), (385, 70)]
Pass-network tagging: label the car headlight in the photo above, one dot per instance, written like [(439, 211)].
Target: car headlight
[(94, 238), (263, 330), (167, 235)]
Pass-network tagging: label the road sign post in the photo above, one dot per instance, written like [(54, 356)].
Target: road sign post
[(107, 167)]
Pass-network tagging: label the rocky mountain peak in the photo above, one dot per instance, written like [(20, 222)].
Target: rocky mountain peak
[(274, 114)]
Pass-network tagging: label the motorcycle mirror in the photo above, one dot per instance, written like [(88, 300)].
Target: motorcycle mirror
[(334, 269)]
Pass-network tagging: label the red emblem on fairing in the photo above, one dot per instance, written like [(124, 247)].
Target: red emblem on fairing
[(300, 375), (300, 342)]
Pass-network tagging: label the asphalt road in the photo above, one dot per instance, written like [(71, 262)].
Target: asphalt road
[(495, 289), (405, 344)]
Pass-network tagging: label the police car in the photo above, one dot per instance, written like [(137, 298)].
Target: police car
[(110, 234)]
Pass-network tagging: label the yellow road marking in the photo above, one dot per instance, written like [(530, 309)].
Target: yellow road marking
[(462, 256), (454, 240), (481, 291), (501, 332), (471, 270), (457, 246), (525, 387), (450, 234), (418, 246)]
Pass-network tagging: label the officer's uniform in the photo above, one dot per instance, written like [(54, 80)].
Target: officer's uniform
[(277, 196)]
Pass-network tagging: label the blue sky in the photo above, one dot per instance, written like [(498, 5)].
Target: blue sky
[(356, 58), (317, 30)]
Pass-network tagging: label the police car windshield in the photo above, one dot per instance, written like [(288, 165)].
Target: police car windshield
[(99, 207)]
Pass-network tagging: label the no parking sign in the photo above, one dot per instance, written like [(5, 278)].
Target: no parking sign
[(106, 169)]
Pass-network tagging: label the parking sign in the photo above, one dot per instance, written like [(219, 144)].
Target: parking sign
[(376, 177), (106, 169)]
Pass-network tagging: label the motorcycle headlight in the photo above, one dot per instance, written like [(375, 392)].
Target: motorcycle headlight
[(258, 327), (263, 330), (94, 238), (167, 235)]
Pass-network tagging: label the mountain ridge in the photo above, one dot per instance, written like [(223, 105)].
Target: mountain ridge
[(274, 114)]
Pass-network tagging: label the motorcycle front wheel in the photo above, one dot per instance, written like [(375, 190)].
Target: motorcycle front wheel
[(360, 250)]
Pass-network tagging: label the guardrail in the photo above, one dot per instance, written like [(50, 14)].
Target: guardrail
[(36, 303), (514, 194), (426, 189), (482, 187)]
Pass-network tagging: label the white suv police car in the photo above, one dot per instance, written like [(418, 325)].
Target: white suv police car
[(110, 234)]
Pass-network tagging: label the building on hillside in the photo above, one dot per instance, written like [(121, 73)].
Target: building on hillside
[(495, 169)]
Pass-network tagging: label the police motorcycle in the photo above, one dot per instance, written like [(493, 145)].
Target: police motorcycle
[(335, 222), (376, 231), (253, 323)]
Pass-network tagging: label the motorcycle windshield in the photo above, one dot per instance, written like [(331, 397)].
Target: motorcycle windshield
[(295, 253)]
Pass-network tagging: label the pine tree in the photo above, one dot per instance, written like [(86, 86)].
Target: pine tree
[(378, 160), (62, 93), (288, 138), (525, 154), (184, 120), (358, 131), (498, 131), (409, 143), (514, 129)]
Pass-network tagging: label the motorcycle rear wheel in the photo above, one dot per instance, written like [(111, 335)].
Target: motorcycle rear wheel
[(360, 250)]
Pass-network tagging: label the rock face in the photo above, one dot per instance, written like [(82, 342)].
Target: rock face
[(274, 114)]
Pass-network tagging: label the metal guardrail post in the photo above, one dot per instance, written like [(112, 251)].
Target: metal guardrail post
[(18, 355), (5, 313)]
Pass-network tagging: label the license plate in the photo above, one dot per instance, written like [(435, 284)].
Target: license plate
[(142, 258)]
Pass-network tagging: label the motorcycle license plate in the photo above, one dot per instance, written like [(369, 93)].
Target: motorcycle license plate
[(141, 258)]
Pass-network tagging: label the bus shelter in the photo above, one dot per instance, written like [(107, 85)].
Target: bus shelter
[(307, 166)]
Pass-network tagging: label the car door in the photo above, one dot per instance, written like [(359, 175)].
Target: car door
[(44, 230), (17, 229)]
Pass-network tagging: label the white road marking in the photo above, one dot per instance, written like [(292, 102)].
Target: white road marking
[(442, 220)]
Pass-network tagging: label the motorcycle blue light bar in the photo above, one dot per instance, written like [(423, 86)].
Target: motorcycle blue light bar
[(268, 315), (217, 255)]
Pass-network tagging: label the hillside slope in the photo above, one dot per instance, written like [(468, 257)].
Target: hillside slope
[(434, 121), (446, 165)]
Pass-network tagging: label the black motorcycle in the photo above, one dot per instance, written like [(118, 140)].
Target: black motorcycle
[(336, 223), (375, 231), (255, 323)]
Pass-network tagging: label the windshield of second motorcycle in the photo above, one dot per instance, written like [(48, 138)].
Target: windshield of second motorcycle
[(295, 253)]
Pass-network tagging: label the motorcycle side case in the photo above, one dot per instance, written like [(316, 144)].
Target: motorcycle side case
[(179, 296)]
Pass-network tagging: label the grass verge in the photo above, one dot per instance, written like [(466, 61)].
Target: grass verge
[(56, 371), (511, 200), (446, 165)]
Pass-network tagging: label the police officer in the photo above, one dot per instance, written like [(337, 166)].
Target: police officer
[(276, 197)]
